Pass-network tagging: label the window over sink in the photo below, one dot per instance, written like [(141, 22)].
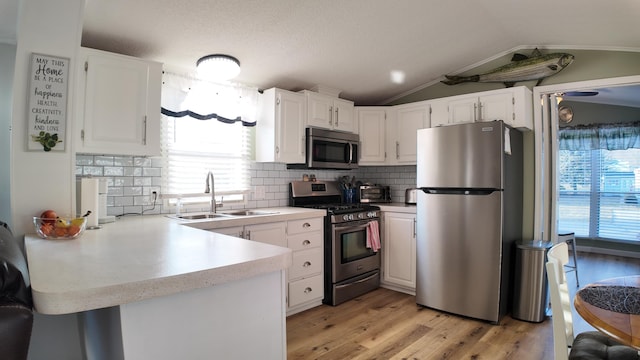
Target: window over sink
[(195, 144)]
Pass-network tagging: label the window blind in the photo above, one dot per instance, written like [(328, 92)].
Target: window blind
[(191, 148), (599, 193)]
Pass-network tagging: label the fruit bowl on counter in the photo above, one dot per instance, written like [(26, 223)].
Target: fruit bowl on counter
[(63, 228)]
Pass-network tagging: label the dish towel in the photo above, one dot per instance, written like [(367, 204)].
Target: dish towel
[(373, 236)]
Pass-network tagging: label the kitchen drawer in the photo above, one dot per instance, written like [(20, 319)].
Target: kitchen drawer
[(305, 263), (304, 225), (305, 290), (305, 240)]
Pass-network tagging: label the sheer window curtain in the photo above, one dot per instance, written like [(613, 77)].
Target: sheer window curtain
[(206, 127)]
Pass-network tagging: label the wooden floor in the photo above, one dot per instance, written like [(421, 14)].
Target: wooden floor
[(385, 324)]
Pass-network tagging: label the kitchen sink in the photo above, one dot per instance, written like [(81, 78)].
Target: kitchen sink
[(199, 216), (249, 212)]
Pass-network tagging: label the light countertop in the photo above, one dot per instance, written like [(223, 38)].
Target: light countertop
[(141, 257), (398, 207)]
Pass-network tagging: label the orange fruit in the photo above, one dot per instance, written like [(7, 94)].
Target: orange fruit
[(60, 232), (46, 229), (72, 230)]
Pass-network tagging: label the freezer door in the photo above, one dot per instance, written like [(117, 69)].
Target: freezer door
[(461, 156), (459, 250)]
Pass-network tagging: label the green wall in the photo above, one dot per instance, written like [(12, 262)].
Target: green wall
[(588, 65)]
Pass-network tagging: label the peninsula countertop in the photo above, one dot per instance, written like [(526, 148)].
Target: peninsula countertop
[(142, 257)]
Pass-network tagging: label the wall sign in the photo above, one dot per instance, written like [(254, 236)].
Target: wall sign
[(47, 122)]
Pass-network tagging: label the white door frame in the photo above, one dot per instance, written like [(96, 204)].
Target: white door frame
[(546, 134)]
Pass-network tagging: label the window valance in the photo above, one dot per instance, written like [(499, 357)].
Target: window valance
[(202, 100), (600, 136)]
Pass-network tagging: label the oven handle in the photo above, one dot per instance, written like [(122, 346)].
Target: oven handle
[(354, 224), (357, 282)]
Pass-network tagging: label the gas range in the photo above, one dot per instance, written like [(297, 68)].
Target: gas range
[(326, 195), (352, 265)]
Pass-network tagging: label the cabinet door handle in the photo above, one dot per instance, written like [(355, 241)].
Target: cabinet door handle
[(415, 230), (306, 225), (475, 112), (397, 150), (277, 149), (306, 264), (308, 290), (337, 116), (144, 130), (247, 235), (306, 243), (330, 115)]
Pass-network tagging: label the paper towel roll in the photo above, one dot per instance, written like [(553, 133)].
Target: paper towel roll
[(89, 199)]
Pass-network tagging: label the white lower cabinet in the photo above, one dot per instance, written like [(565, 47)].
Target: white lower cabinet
[(306, 276), (399, 252), (269, 233), (305, 237)]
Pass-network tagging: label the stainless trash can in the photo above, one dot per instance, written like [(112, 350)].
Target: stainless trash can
[(530, 298)]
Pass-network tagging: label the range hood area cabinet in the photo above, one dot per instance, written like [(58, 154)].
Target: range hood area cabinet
[(372, 127), (512, 105), (280, 135), (118, 102), (328, 112)]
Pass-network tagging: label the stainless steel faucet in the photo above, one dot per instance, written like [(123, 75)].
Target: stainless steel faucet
[(211, 189)]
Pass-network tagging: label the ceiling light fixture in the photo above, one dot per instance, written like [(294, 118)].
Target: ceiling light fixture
[(218, 67)]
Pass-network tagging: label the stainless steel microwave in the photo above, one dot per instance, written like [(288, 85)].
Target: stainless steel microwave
[(329, 149)]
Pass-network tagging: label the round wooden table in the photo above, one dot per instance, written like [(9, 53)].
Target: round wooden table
[(613, 307)]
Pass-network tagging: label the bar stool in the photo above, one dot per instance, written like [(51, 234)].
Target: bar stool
[(570, 239)]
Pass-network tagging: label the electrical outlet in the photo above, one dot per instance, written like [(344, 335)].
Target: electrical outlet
[(259, 192)]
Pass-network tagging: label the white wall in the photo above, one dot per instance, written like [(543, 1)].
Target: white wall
[(7, 62), (42, 180)]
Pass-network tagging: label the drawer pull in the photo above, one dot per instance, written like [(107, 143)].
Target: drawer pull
[(306, 225), (306, 242), (308, 290), (306, 264)]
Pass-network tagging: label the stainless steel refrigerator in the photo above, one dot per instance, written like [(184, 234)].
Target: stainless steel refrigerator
[(469, 214)]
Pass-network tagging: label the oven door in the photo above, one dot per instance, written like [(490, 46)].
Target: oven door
[(351, 256)]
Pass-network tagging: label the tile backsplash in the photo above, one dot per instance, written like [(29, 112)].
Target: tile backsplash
[(131, 181)]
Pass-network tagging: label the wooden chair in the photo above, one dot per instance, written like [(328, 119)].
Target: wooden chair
[(587, 345), (570, 239)]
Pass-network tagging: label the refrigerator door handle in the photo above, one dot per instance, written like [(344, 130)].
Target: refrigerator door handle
[(459, 191)]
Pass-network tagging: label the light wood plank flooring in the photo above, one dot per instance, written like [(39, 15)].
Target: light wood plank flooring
[(385, 324)]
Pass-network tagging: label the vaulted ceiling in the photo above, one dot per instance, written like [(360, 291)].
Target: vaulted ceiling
[(352, 45)]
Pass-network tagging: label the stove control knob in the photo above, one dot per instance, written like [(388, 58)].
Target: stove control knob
[(345, 217), (361, 216), (371, 214)]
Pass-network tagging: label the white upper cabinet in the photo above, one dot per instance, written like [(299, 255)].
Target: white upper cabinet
[(280, 135), (512, 105), (118, 107), (409, 118), (372, 127), (328, 112)]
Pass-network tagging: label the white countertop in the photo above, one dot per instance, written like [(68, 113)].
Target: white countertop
[(141, 257), (398, 207)]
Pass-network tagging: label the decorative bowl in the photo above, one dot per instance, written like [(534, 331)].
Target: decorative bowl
[(60, 227)]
